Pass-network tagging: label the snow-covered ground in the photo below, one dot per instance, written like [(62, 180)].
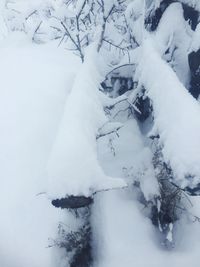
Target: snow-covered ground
[(34, 84), (123, 236), (50, 117)]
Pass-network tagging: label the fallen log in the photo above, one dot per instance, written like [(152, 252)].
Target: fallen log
[(72, 202)]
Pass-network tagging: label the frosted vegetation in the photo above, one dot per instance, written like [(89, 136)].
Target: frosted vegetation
[(100, 133)]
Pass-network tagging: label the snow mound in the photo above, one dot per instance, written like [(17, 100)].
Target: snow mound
[(176, 115), (73, 167)]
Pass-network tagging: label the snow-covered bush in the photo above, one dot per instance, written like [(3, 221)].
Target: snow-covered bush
[(129, 129)]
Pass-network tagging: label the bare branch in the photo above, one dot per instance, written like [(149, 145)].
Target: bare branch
[(36, 30), (115, 127), (31, 14), (77, 45)]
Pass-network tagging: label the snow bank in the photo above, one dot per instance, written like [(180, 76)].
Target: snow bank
[(176, 114), (34, 84)]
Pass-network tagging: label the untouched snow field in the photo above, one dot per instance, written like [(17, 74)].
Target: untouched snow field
[(34, 84)]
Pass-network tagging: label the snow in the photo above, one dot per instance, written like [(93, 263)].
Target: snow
[(193, 3), (174, 33), (195, 45), (3, 28), (35, 82), (178, 128), (126, 153), (152, 5), (56, 139), (108, 6), (123, 236), (25, 6), (79, 6), (108, 128), (135, 18), (75, 144)]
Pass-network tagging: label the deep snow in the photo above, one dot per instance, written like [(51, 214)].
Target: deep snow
[(50, 115), (123, 236), (34, 84)]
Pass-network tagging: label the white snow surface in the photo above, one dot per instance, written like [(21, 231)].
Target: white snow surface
[(195, 45), (73, 166), (132, 158), (50, 115), (34, 83), (176, 114), (193, 3), (3, 28), (135, 18), (122, 235), (175, 34)]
